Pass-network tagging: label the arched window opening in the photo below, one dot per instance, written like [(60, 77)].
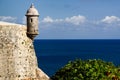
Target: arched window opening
[(31, 20)]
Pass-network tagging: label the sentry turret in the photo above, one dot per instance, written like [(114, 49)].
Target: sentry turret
[(32, 22)]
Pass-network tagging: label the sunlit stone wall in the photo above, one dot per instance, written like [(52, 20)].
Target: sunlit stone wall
[(17, 57)]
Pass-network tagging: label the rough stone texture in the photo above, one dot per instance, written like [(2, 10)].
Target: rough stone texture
[(17, 56)]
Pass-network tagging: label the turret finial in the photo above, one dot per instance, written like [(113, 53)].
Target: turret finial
[(32, 5)]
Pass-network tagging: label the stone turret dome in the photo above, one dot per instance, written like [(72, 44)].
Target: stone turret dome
[(32, 11)]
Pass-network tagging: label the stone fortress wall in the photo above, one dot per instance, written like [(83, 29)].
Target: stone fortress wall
[(17, 56)]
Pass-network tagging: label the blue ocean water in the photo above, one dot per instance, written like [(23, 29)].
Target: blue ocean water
[(54, 54)]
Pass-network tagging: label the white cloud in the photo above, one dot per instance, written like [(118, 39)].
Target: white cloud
[(47, 20), (8, 18), (24, 20), (110, 19), (76, 19), (58, 20)]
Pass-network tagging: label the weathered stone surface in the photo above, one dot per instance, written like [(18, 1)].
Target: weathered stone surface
[(17, 56)]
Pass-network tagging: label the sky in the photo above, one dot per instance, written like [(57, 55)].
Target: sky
[(68, 19)]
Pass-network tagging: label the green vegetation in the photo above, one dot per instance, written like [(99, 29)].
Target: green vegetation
[(88, 70)]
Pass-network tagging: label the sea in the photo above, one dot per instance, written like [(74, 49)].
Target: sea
[(54, 54)]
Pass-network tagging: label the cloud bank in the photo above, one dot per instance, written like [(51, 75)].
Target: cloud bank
[(110, 19), (80, 27), (8, 18), (76, 20)]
